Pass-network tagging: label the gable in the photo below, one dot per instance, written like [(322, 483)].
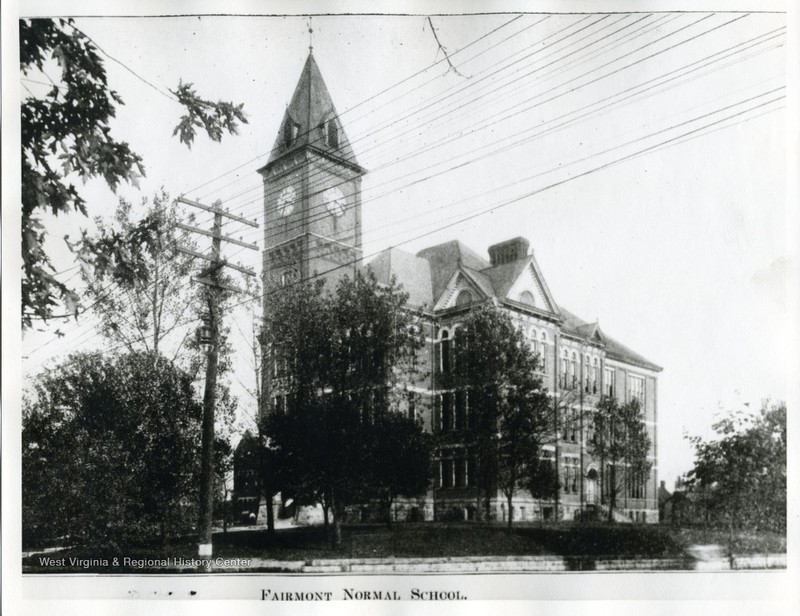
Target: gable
[(528, 284), (460, 281)]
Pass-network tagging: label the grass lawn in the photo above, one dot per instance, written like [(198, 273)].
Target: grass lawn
[(436, 540)]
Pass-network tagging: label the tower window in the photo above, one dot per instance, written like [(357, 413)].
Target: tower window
[(332, 133), (290, 132)]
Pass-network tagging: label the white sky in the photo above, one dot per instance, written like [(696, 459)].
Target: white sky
[(680, 253)]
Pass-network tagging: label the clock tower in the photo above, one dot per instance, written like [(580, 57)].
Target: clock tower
[(312, 191)]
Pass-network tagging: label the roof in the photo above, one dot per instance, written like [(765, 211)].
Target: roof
[(409, 270), (504, 276), (311, 106), (579, 328), (445, 259)]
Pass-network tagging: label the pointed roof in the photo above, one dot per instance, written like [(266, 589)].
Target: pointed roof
[(445, 259), (310, 109), (505, 275)]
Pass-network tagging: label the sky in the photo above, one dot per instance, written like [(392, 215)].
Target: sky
[(643, 155)]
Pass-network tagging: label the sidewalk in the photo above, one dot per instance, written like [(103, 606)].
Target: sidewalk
[(707, 560)]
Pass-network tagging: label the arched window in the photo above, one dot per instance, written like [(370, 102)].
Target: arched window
[(464, 298), (526, 297), (564, 375), (595, 375)]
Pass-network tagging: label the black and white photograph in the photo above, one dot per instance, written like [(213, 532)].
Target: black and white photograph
[(413, 306)]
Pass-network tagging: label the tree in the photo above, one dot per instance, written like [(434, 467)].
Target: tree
[(401, 459), (742, 472), (621, 444), (66, 135), (109, 450), (146, 310), (509, 411), (335, 358)]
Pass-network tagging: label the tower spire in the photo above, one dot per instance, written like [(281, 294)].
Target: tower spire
[(310, 35)]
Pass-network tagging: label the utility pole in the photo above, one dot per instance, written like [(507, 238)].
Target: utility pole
[(210, 277)]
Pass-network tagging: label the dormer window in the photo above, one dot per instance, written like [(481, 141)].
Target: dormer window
[(332, 134), (290, 132)]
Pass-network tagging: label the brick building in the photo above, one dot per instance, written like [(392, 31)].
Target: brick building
[(312, 206)]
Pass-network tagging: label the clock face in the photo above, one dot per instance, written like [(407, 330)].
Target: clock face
[(286, 201), (334, 201)]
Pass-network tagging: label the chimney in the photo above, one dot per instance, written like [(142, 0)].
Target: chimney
[(508, 251)]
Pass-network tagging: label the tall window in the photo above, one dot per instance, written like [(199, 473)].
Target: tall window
[(290, 132), (636, 485), (573, 372), (595, 375), (586, 375), (543, 348), (573, 423), (412, 405), (461, 410), (446, 469), (460, 471), (636, 388), (447, 412), (332, 134), (445, 352), (288, 277), (570, 479), (609, 374)]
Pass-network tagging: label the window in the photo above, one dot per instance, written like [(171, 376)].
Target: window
[(636, 388), (290, 132), (332, 134), (564, 375), (595, 375), (412, 405), (445, 351), (573, 423), (288, 277), (464, 298), (471, 472), (570, 479), (461, 411), (460, 472), (446, 470), (526, 297), (636, 485), (543, 347), (609, 375), (447, 412), (586, 375), (573, 372)]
